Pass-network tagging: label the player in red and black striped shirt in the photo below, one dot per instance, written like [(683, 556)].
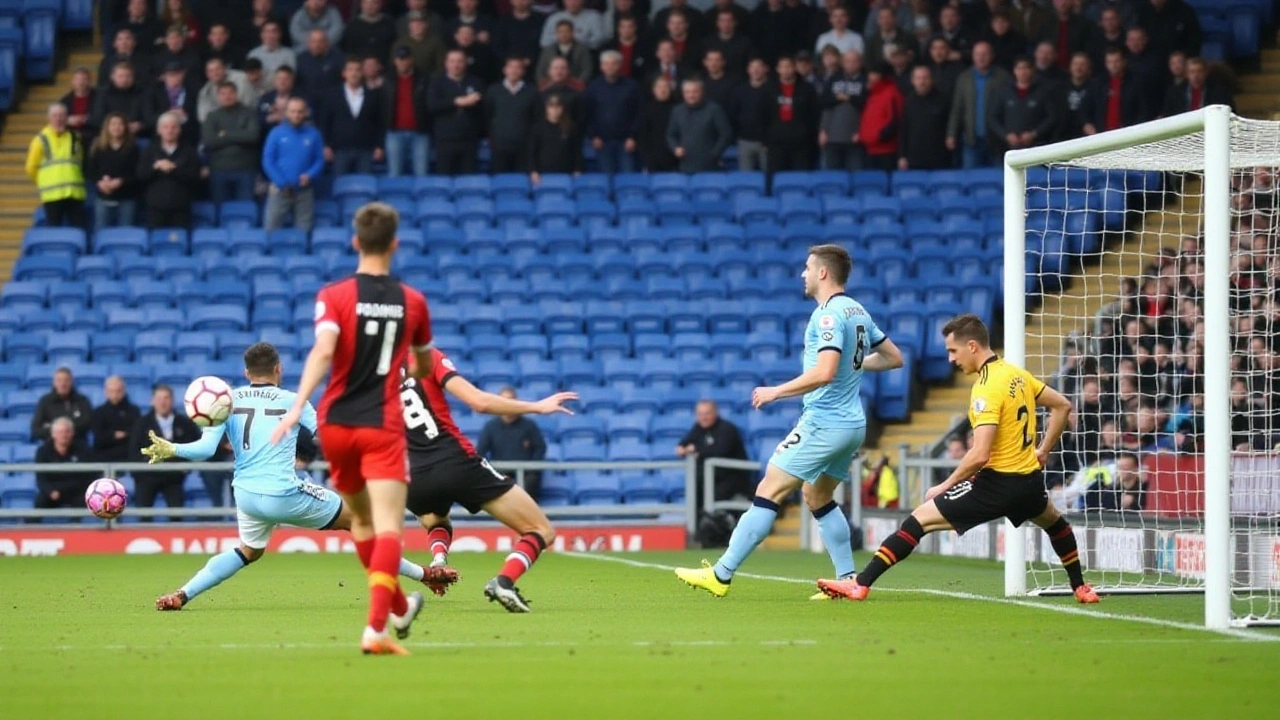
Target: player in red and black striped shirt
[(365, 327), (444, 469)]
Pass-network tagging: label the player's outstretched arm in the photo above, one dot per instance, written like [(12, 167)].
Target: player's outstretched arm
[(1059, 412), (886, 357), (490, 404), (821, 374), (977, 458), (160, 449), (319, 360)]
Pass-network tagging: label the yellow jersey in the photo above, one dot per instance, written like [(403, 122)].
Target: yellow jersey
[(1005, 396)]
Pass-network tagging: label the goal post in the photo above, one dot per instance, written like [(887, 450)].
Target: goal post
[(1079, 216)]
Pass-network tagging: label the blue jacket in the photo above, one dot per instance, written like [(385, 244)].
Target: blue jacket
[(613, 109), (291, 152)]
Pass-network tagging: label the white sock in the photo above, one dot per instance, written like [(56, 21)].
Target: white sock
[(411, 570), (439, 560)]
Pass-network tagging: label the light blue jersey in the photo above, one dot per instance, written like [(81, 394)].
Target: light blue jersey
[(261, 467), (840, 324)]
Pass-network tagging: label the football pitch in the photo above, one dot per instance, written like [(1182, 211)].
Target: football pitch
[(610, 636)]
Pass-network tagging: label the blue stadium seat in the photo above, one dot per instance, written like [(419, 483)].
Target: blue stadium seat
[(591, 186), (433, 186), (67, 348), (152, 348), (151, 294), (168, 241), (210, 242), (195, 347), (54, 241), (472, 187), (330, 240), (231, 345), (669, 187), (237, 214), (634, 213), (285, 242), (22, 295), (629, 450), (247, 241), (556, 187), (40, 30), (204, 215), (218, 318), (360, 187), (893, 395), (11, 47), (120, 241), (510, 187), (25, 348), (641, 489), (578, 428), (610, 346), (736, 184), (68, 295), (90, 268)]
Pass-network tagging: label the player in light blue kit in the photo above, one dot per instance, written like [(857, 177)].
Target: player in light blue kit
[(267, 487), (840, 343)]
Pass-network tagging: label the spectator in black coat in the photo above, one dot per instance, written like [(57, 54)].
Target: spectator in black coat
[(1079, 95), (665, 62), (124, 48), (730, 41), (455, 101), (952, 31), (481, 63), (164, 422), (112, 168), (1049, 72), (519, 32), (1109, 34), (714, 437), (791, 120), (79, 104), (470, 14), (699, 131), (945, 70), (139, 19), (560, 83), (651, 130), (694, 26), (777, 30), (514, 438), (573, 52), (749, 118), (1121, 101), (1071, 32), (922, 139), (57, 489), (718, 84), (1006, 42), (555, 145), (271, 105), (741, 21), (1173, 25), (173, 94), (169, 170), (232, 139), (370, 33), (62, 400), (1149, 70), (352, 123), (218, 45), (612, 107), (175, 51), (125, 97), (510, 108), (1021, 116), (627, 44), (112, 422), (1198, 91), (319, 68)]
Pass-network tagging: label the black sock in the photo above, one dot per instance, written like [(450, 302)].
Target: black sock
[(894, 550), (1063, 540)]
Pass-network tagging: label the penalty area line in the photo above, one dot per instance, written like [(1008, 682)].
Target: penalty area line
[(421, 645), (1031, 604)]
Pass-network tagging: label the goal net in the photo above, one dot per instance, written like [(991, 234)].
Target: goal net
[(1146, 262)]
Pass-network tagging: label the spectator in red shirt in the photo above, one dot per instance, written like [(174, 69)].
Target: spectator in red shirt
[(1198, 91), (1120, 101), (791, 123), (408, 117), (881, 119), (79, 104), (627, 45)]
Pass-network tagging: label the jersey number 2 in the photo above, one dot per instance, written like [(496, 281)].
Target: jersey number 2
[(372, 328), (248, 421), (1024, 414)]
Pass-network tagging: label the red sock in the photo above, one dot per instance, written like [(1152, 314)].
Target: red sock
[(439, 539), (364, 548), (523, 556), (385, 595)]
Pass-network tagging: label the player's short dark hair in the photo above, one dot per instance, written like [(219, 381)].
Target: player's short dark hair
[(968, 327), (835, 259), (261, 359), (376, 225)]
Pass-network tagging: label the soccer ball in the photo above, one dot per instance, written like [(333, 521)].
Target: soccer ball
[(106, 498), (208, 401)]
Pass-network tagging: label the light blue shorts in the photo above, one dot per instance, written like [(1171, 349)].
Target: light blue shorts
[(809, 452), (308, 506)]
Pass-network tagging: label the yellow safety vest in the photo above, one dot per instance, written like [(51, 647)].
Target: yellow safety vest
[(60, 175)]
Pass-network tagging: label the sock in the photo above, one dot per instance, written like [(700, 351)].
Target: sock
[(385, 595), (752, 528), (219, 568), (835, 535), (364, 550), (1063, 539), (894, 550), (411, 570), (523, 556), (438, 540)]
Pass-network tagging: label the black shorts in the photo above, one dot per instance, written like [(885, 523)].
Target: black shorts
[(465, 480), (991, 495)]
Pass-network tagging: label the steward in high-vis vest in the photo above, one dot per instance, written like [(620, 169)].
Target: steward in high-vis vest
[(55, 164)]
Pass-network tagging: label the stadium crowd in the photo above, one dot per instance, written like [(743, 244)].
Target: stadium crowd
[(221, 92)]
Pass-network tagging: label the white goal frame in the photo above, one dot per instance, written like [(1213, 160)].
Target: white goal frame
[(1215, 123)]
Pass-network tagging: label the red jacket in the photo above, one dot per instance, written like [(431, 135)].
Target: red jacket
[(881, 118)]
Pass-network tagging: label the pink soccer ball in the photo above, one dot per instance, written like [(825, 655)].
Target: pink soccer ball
[(106, 498)]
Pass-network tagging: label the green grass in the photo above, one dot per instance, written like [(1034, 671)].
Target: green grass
[(79, 638)]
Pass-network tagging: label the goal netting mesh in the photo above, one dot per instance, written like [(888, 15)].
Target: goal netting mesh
[(1115, 293)]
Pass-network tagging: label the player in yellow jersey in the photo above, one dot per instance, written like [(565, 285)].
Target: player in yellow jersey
[(1001, 475)]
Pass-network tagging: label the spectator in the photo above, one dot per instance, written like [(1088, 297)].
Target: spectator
[(510, 108), (665, 63), (1006, 43), (741, 20), (575, 53), (840, 36), (887, 33), (292, 159), (271, 53), (519, 32), (718, 85), (265, 13), (754, 96), (175, 52), (773, 28), (732, 44), (316, 15), (555, 145), (124, 49), (1177, 69), (714, 437), (881, 120), (612, 107), (369, 33), (1049, 75), (352, 124), (231, 136), (124, 97), (434, 23), (218, 45), (677, 31), (692, 21), (454, 99), (805, 68), (271, 107), (408, 117), (620, 10), (903, 15), (1109, 35), (79, 104), (1070, 33), (922, 144), (627, 45), (62, 489), (900, 70), (164, 422), (1121, 102), (169, 171), (174, 95), (976, 91), (791, 120), (54, 161), (957, 448), (176, 14), (588, 25), (1021, 115), (62, 400), (514, 438), (469, 15), (481, 64), (427, 50), (946, 72), (844, 93), (258, 82), (1080, 97), (699, 131), (1148, 70), (1117, 485), (112, 168), (142, 27), (112, 422), (319, 69), (651, 130), (371, 73), (950, 29), (559, 83), (1032, 20), (1198, 91), (1173, 25), (216, 74)]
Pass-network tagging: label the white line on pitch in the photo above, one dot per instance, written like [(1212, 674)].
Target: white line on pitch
[(1064, 609), (425, 645)]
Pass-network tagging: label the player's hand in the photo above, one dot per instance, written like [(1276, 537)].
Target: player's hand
[(287, 422), (935, 491), (762, 396), (159, 450), (1042, 455), (555, 403)]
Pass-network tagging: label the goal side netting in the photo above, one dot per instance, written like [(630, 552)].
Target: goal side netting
[(1145, 263)]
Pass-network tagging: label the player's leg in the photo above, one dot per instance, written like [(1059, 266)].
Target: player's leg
[(430, 504), (819, 496), (516, 509), (1063, 539), (343, 521), (254, 532), (439, 537), (386, 501)]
